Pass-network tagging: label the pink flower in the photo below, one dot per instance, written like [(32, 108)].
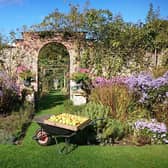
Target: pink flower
[(21, 68), (82, 70)]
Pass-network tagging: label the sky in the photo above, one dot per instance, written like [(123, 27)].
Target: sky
[(16, 13)]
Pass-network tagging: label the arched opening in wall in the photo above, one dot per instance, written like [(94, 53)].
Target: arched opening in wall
[(53, 68)]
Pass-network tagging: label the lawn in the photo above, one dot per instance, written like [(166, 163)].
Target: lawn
[(30, 155)]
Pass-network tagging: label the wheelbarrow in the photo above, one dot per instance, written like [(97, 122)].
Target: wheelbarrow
[(49, 132)]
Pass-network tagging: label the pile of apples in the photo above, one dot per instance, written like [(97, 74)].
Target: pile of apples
[(67, 119)]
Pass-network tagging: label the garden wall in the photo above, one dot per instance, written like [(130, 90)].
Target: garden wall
[(26, 51)]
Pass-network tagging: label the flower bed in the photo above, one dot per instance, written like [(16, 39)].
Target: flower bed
[(154, 130), (133, 98), (14, 112)]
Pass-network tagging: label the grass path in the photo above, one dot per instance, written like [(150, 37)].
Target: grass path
[(31, 155)]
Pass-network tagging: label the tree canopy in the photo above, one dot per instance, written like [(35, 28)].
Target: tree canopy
[(115, 43)]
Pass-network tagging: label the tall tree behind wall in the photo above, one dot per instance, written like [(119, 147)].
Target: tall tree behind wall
[(114, 43), (156, 30)]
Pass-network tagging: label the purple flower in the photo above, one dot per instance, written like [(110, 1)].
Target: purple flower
[(156, 130), (102, 81), (8, 83), (143, 85), (152, 125)]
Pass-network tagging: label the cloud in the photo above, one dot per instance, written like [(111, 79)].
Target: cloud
[(10, 2)]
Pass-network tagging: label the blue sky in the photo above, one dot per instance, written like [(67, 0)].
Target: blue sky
[(15, 13)]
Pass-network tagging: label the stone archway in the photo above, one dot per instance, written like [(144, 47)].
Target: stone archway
[(53, 68), (32, 42)]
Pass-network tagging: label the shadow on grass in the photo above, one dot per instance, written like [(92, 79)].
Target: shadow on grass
[(51, 100)]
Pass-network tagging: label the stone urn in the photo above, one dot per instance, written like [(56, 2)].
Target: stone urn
[(78, 95)]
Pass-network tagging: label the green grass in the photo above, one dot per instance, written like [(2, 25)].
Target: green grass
[(30, 155)]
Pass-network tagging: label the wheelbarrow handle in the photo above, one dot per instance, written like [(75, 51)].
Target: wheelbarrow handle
[(93, 122)]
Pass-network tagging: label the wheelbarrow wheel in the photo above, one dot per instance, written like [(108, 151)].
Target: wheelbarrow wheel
[(43, 138)]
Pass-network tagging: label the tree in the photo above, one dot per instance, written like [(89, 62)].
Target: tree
[(111, 43), (152, 14), (156, 37)]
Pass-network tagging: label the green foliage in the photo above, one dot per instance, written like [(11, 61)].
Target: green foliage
[(113, 131), (164, 60), (152, 14), (160, 111), (83, 156), (155, 97), (82, 78), (107, 129), (137, 111), (53, 53), (46, 34), (13, 127), (157, 103), (113, 42), (96, 111), (79, 77), (68, 103), (70, 108), (27, 75), (142, 137), (85, 60), (156, 38), (3, 45)]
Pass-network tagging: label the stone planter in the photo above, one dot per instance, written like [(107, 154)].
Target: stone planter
[(79, 98)]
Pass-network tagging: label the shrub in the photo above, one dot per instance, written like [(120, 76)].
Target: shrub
[(116, 96), (150, 130), (12, 127), (24, 72), (131, 98), (164, 60), (106, 129), (94, 111), (159, 71), (160, 111), (152, 92), (82, 76), (113, 131), (79, 77), (9, 94), (70, 108)]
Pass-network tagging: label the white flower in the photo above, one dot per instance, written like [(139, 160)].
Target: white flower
[(163, 135)]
